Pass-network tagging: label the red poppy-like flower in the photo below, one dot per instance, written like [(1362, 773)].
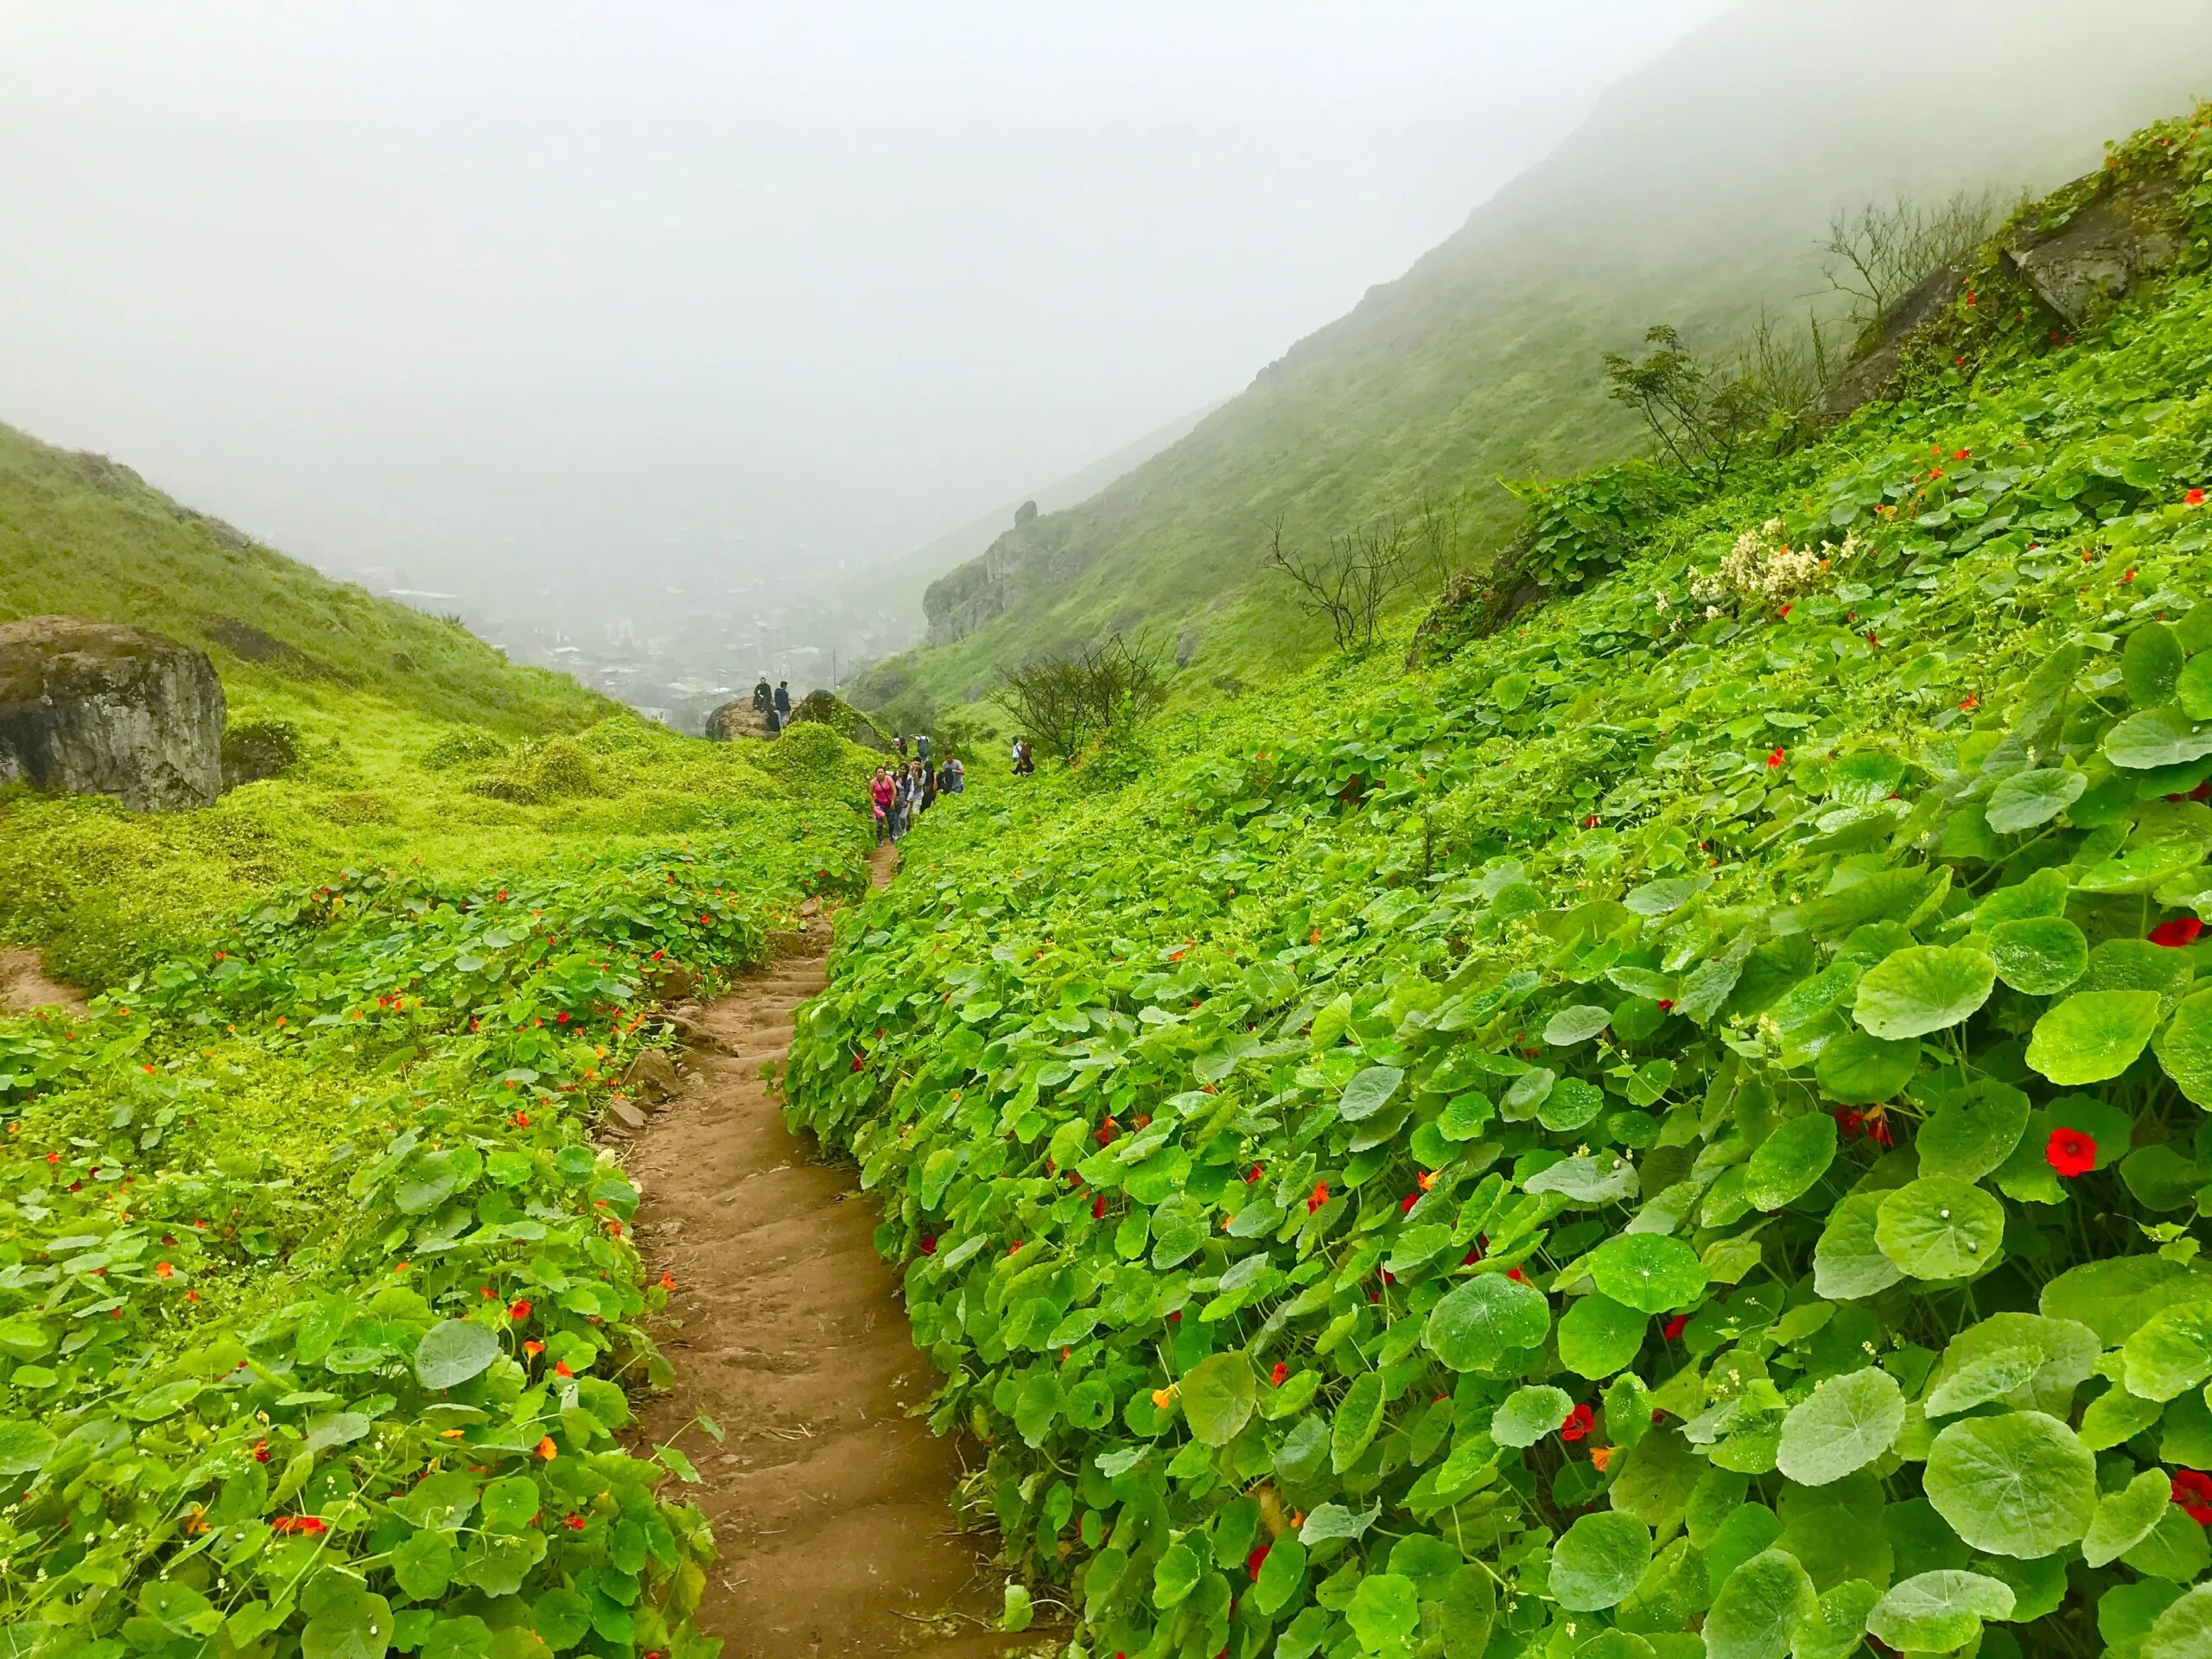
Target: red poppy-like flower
[(1472, 1256), (1321, 1197), (1666, 1005), (860, 1062), (1774, 757), (1516, 1276), (1577, 1424), (1784, 611), (1673, 1329), (1278, 1376), (2193, 1491), (2070, 1152), (668, 1281), (1098, 1208), (163, 1270), (307, 1523), (1409, 1201), (1257, 1171), (573, 1522), (261, 1451), (1252, 1562), (1850, 1121), (2181, 930), (561, 1368), (532, 1349), (2194, 497), (929, 1244)]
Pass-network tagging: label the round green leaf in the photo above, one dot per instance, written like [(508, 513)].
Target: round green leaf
[(1598, 1560), (1469, 1609), (1940, 1227), (24, 1447), (1576, 1024), (1838, 1623), (451, 1351), (2184, 1047), (1790, 1160), (2184, 1629), (2151, 662), (1922, 988), (2092, 1035), (2021, 1485), (1176, 1573), (1570, 1103), (1846, 1423), (2170, 1351), (1481, 1321), (356, 1625), (1369, 1092), (2125, 1518), (2156, 737), (1934, 1612), (1178, 1231), (1858, 1068), (2040, 956), (2028, 798), (1648, 1272), (1359, 1414), (1967, 1138), (2193, 689), (1528, 1415), (1597, 1336), (1217, 1396), (1383, 1612), (1759, 1608)]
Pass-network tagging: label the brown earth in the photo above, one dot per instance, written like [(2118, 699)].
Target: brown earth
[(24, 986), (828, 1497)]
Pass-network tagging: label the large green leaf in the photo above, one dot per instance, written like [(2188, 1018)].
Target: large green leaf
[(2028, 798), (1849, 1262), (1469, 1608), (2156, 737), (1597, 1336), (2124, 1518), (1967, 1137), (1922, 988), (2021, 1485), (1789, 1161), (1480, 1322), (1528, 1415), (354, 1626), (1858, 1068), (1838, 1622), (1940, 1227), (2170, 1350), (451, 1351), (1217, 1396), (2184, 1629), (2040, 955), (1650, 1271), (1359, 1414), (1846, 1423), (1369, 1092), (1934, 1612), (1760, 1608), (1384, 1609), (2184, 1047), (1598, 1560), (2113, 1297), (2092, 1035), (24, 1447)]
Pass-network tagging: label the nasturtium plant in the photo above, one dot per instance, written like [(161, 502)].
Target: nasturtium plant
[(1722, 1052)]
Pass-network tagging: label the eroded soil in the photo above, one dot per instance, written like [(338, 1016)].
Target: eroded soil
[(24, 986), (829, 1500)]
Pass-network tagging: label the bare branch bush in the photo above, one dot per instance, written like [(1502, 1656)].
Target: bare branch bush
[(1096, 693), (1438, 534), (1349, 580), (1880, 251)]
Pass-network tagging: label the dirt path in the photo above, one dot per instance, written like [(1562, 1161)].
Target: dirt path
[(828, 1501), (24, 986)]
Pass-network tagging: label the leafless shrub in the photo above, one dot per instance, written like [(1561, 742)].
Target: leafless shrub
[(1880, 251), (1349, 580), (1096, 693)]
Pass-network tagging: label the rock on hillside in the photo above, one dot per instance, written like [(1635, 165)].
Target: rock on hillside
[(735, 719), (96, 709)]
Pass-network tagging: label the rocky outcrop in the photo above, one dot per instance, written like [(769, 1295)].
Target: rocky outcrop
[(2099, 254), (95, 708), (1870, 373), (964, 599), (735, 719), (841, 717)]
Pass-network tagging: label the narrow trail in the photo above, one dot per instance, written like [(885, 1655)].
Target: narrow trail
[(24, 986), (828, 1499)]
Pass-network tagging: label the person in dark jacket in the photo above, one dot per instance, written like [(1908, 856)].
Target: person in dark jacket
[(783, 702)]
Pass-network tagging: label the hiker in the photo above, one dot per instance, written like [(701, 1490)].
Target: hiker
[(783, 703), (1024, 761), (882, 792), (763, 701), (922, 750), (902, 747), (928, 782), (955, 777)]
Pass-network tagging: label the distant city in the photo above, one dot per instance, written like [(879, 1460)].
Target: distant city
[(675, 649)]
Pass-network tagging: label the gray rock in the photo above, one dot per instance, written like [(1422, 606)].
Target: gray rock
[(96, 709), (735, 719), (622, 1112), (1870, 373), (651, 1076), (2097, 256)]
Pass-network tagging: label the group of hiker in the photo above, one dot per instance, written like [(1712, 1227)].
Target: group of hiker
[(774, 707), (902, 793)]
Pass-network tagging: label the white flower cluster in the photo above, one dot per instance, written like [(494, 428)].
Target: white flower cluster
[(1764, 567)]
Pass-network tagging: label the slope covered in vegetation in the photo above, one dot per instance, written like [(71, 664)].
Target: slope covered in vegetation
[(1696, 193), (1681, 1130), (318, 1308)]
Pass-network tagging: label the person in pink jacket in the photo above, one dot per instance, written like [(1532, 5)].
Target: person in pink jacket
[(883, 792)]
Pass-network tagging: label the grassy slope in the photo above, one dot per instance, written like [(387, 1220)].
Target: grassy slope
[(1419, 883), (81, 535), (1693, 195)]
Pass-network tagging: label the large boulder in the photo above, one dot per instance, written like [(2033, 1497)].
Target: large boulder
[(735, 719), (95, 708)]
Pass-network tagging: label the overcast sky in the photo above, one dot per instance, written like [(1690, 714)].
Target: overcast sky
[(440, 283)]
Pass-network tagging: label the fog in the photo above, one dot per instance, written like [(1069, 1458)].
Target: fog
[(590, 298)]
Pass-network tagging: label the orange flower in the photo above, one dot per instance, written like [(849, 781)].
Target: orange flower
[(546, 1449)]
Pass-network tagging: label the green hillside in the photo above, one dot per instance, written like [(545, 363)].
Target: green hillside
[(1695, 194), (1681, 1131), (83, 536)]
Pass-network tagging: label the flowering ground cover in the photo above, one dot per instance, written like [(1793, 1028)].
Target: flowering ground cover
[(319, 1313), (1680, 1130)]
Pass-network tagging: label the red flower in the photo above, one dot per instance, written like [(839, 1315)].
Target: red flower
[(561, 1368), (929, 1244), (1278, 1376), (1409, 1201), (1775, 758), (1258, 1170), (1850, 1121), (1516, 1276), (2194, 497), (1252, 1562), (519, 1310), (1666, 1005), (2070, 1152), (574, 1522), (2183, 929), (1321, 1197), (860, 1062), (1784, 611), (307, 1523), (533, 1348), (1577, 1424), (162, 1269), (2193, 1491), (1471, 1257), (1673, 1329), (261, 1451)]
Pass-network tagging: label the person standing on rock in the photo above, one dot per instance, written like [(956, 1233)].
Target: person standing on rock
[(783, 703)]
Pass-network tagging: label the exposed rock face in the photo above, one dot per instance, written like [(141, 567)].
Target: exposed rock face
[(94, 708), (1873, 371), (735, 719), (2098, 255), (964, 599)]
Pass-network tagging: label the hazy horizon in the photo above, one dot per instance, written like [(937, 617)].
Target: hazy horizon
[(561, 294)]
